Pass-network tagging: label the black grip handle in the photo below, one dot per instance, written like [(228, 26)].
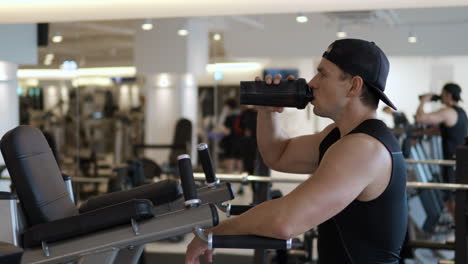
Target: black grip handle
[(186, 177), (239, 209), (207, 165), (288, 93), (249, 242)]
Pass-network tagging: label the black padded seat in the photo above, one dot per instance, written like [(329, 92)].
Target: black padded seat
[(50, 213), (158, 193), (89, 222), (9, 254)]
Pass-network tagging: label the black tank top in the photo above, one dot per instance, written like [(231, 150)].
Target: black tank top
[(453, 136), (373, 231)]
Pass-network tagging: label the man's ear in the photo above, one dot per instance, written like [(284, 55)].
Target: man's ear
[(356, 86)]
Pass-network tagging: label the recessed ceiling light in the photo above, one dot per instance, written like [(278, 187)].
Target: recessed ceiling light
[(147, 24), (48, 59), (341, 34), (412, 38), (57, 38), (182, 32), (301, 18)]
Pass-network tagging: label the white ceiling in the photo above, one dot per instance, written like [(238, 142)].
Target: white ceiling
[(102, 32), (27, 11)]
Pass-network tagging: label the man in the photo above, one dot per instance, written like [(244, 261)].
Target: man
[(357, 194), (452, 123), (248, 144), (451, 119)]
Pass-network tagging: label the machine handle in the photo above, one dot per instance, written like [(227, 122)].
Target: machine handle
[(239, 209), (207, 165), (188, 183), (243, 241), (250, 242)]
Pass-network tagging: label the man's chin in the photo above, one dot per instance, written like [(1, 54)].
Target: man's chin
[(316, 111)]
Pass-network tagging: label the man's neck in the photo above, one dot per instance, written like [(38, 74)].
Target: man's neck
[(352, 117)]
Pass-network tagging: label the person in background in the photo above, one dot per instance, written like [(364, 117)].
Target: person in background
[(248, 124), (230, 143), (452, 122)]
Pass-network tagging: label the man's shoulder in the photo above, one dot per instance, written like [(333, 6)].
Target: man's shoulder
[(360, 144), (360, 138), (447, 109), (328, 129), (361, 156)]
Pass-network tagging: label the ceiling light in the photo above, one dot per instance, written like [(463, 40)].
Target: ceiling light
[(147, 24), (97, 81), (32, 82), (217, 36), (412, 38), (341, 34), (182, 32), (69, 66), (163, 80), (57, 38), (301, 18), (232, 66), (48, 59), (108, 71), (83, 72)]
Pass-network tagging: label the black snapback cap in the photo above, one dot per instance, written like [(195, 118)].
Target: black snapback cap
[(362, 58), (454, 89)]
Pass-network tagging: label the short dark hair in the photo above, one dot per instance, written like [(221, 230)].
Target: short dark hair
[(454, 90), (368, 96)]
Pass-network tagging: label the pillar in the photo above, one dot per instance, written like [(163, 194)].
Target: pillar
[(18, 46), (170, 64)]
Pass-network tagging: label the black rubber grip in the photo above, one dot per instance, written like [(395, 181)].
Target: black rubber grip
[(186, 177), (7, 196), (239, 209), (214, 214), (249, 242), (207, 165)]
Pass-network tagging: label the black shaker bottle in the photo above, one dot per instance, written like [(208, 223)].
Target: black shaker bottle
[(288, 93)]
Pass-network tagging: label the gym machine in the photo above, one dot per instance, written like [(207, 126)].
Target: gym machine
[(50, 229), (46, 227)]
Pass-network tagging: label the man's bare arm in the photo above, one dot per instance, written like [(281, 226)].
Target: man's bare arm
[(433, 131), (444, 115), (337, 182), (281, 153)]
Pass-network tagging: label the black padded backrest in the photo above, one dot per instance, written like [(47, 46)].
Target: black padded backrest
[(182, 136), (36, 175)]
